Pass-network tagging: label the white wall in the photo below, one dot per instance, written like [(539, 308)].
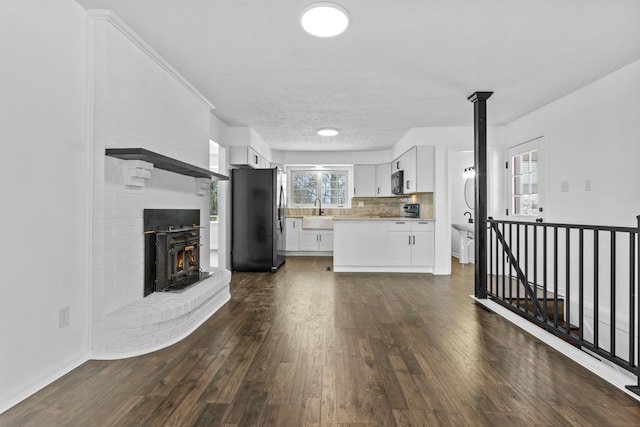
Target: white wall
[(45, 181), (593, 134), (458, 161)]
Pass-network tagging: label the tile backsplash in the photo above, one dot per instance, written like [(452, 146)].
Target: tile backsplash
[(374, 207)]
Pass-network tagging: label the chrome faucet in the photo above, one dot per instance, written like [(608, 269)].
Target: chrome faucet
[(470, 217), (319, 206)]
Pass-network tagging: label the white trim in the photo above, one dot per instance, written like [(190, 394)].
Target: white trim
[(616, 377), (44, 382), (113, 19), (90, 64)]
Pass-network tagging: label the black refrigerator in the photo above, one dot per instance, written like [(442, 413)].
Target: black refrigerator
[(258, 219)]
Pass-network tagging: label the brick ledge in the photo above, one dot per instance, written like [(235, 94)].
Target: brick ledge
[(163, 318)]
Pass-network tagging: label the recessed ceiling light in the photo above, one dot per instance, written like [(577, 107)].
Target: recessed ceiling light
[(324, 19), (327, 132)]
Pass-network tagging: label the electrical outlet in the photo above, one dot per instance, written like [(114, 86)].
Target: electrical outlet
[(360, 204), (587, 184), (564, 186), (63, 317)]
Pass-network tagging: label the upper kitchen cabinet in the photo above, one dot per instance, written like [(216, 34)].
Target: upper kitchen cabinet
[(372, 180), (418, 164), (383, 180), (364, 180), (247, 156)]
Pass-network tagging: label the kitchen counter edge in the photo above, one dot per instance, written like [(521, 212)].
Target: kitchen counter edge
[(400, 218)]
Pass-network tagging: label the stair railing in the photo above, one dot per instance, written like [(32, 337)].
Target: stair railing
[(579, 282)]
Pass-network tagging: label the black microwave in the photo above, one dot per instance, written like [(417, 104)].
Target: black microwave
[(397, 182)]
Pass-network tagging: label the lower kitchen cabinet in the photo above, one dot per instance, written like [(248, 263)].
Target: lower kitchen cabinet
[(316, 240), (384, 246), (292, 235), (412, 243)]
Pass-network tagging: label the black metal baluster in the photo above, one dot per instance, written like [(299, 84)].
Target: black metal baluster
[(596, 288), (498, 252), (555, 277), (518, 302), (581, 284), (544, 270), (612, 309), (632, 277), (504, 255), (637, 387), (535, 269), (491, 259), (526, 271), (510, 266), (567, 303)]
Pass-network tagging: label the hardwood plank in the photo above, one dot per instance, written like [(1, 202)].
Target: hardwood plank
[(328, 407)]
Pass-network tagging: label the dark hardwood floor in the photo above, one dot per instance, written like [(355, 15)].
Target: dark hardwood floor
[(309, 347)]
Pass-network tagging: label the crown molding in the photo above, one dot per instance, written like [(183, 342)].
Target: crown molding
[(110, 17)]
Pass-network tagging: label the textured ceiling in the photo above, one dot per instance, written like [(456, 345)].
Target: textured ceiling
[(401, 63)]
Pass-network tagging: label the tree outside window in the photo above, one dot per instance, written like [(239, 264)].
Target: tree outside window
[(330, 186), (213, 200)]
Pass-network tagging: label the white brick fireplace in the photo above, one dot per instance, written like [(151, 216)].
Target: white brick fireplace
[(138, 100)]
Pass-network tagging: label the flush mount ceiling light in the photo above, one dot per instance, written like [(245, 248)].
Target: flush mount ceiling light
[(327, 132), (324, 19)]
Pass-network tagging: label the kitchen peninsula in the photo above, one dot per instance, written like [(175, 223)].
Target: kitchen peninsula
[(401, 244)]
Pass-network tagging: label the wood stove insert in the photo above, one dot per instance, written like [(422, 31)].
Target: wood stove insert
[(172, 249)]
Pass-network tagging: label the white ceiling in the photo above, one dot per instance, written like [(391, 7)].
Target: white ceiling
[(401, 63)]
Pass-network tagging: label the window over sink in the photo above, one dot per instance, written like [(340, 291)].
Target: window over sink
[(329, 184)]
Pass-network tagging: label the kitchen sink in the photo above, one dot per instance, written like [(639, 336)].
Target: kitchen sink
[(324, 222)]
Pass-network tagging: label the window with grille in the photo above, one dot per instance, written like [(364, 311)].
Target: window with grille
[(524, 183), (330, 186)]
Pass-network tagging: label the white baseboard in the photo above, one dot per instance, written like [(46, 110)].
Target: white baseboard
[(43, 382)]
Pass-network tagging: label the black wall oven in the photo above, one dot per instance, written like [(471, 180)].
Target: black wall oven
[(397, 182)]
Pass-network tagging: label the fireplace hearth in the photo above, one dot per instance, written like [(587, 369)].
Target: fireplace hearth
[(172, 249)]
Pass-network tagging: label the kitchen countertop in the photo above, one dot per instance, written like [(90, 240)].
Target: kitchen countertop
[(395, 218)]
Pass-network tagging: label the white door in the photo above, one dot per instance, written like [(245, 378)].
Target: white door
[(308, 240), (400, 243), (292, 233), (526, 178), (526, 201), (422, 249)]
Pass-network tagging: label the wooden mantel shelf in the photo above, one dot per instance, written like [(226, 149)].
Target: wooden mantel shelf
[(163, 162)]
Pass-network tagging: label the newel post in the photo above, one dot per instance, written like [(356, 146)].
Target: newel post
[(480, 159)]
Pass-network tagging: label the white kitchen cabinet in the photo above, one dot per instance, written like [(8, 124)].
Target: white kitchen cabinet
[(292, 238), (399, 243), (422, 243), (423, 249), (383, 180), (412, 243), (315, 240), (364, 180), (384, 246), (417, 164), (247, 156)]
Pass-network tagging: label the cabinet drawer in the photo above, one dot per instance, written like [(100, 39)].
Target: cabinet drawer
[(399, 225), (423, 226)]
